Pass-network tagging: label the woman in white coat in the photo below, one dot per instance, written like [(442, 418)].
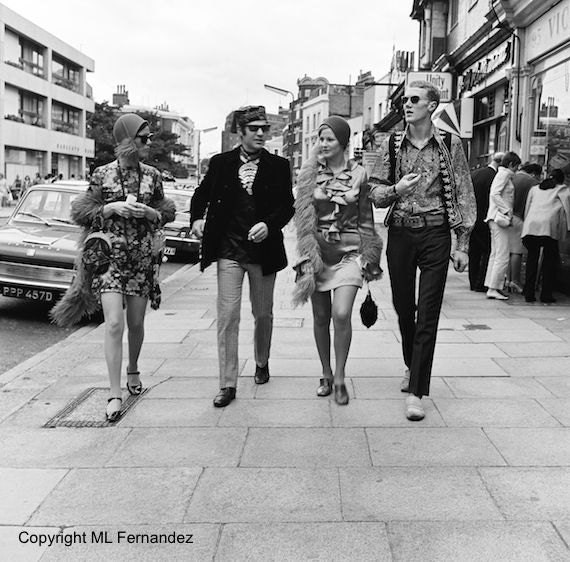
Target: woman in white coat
[(499, 219)]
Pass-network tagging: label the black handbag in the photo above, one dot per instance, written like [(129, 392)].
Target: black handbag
[(97, 252), (368, 311)]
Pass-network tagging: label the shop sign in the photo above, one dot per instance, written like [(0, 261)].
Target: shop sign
[(443, 81), (548, 31), (480, 71), (538, 143)]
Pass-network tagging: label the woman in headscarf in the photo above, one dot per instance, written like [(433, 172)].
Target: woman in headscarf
[(125, 199), (337, 245), (546, 221)]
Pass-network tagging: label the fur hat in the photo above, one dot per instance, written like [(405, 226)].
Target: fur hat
[(248, 114), (125, 129), (339, 127)]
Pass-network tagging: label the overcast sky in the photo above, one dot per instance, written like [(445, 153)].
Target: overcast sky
[(204, 58)]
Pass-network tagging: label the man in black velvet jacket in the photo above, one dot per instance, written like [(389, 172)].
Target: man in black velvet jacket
[(239, 210)]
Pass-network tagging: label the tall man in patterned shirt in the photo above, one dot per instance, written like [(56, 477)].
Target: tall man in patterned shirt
[(239, 210), (423, 176)]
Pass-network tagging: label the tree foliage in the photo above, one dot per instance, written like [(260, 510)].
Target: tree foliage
[(163, 147)]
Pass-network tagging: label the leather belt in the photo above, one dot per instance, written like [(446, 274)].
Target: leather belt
[(418, 221)]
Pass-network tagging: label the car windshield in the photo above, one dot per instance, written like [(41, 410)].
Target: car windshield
[(46, 206)]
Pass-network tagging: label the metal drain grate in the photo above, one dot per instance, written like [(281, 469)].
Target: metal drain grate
[(88, 409)]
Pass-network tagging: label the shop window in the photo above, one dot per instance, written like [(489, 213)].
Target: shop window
[(453, 12)]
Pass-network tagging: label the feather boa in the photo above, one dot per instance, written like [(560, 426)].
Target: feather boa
[(310, 263)]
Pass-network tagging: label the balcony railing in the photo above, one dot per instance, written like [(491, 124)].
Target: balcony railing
[(66, 83), (64, 127), (16, 64), (32, 67)]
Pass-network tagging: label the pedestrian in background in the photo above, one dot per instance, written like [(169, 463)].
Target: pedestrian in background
[(425, 181), (238, 211), (5, 195), (527, 177), (37, 179), (480, 239), (26, 184), (500, 217), (337, 245), (546, 222), (16, 188), (125, 199)]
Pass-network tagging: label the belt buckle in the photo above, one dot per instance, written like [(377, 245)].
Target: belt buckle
[(416, 222)]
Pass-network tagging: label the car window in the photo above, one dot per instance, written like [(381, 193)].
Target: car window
[(47, 206), (182, 202)]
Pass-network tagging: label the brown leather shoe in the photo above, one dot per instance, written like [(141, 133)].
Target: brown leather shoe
[(261, 374), (224, 397)]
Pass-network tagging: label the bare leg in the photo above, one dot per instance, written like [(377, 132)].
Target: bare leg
[(321, 329), (136, 309), (343, 301), (112, 304)]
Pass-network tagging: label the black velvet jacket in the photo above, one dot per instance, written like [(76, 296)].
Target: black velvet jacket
[(214, 201)]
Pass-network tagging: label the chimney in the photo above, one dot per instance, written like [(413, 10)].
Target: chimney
[(121, 97)]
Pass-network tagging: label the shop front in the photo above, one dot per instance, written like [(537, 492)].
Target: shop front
[(548, 56)]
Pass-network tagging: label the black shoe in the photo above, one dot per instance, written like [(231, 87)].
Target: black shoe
[(261, 374), (547, 299), (325, 387), (340, 394), (224, 397), (530, 298)]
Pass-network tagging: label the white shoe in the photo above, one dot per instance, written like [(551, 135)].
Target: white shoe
[(405, 383), (414, 408), (496, 294)]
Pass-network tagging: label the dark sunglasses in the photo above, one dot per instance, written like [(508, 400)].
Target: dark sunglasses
[(145, 138), (413, 99), (255, 128)]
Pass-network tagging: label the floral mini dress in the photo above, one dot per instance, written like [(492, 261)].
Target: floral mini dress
[(133, 268)]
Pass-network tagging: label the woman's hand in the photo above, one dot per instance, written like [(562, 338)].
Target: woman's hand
[(258, 232), (120, 208), (372, 272)]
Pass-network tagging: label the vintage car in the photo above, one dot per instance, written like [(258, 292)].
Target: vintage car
[(38, 245), (179, 240)]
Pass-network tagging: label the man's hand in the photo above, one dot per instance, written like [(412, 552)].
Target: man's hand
[(198, 228), (258, 232), (407, 184), (460, 261)]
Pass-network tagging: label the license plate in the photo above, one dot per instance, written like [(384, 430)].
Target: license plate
[(169, 251), (30, 294)]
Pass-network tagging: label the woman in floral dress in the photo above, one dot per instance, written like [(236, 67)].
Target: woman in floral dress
[(337, 244), (125, 199)]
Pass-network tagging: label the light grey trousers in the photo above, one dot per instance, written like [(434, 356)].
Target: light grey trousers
[(230, 282)]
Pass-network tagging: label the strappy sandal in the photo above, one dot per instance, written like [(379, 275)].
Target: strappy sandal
[(114, 415), (134, 389)]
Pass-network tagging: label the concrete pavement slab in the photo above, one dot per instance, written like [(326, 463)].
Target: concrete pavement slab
[(23, 489), (381, 413), (494, 412), (455, 541), (531, 494), (305, 448), (533, 447), (492, 336), (563, 527), (184, 367), (419, 446), (469, 367), (535, 349), (133, 543), (198, 387), (291, 542), (415, 494), (176, 446), (496, 387), (12, 399), (259, 495), (195, 412), (558, 386), (535, 366), (464, 350), (477, 310), (557, 408), (164, 351), (34, 414), (58, 447), (308, 366), (368, 388), (276, 413), (287, 388), (112, 496), (15, 551)]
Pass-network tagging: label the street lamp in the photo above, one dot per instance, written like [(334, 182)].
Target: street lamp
[(199, 167), (279, 91)]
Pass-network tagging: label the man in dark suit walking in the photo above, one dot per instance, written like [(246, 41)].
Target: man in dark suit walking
[(239, 210), (480, 239)]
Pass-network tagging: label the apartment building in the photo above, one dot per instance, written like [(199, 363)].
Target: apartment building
[(44, 102)]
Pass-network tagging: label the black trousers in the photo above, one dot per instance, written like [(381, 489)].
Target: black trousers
[(550, 261), (408, 250), (479, 251)]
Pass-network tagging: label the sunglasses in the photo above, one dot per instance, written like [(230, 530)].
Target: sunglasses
[(413, 99), (145, 138), (255, 128)]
